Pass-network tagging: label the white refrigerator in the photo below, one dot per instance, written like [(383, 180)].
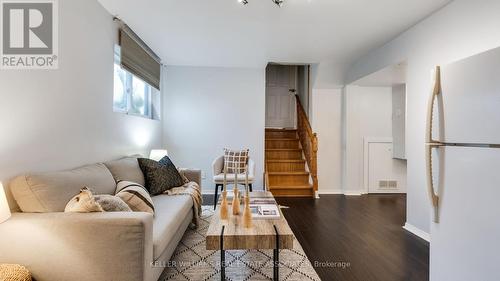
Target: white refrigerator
[(463, 169)]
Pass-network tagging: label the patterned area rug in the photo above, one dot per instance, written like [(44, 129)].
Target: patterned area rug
[(191, 261)]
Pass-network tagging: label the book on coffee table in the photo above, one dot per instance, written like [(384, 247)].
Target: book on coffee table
[(262, 201), (253, 200), (265, 211)]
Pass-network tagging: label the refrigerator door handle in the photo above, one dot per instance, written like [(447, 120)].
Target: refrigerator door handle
[(431, 143), (430, 106), (430, 180)]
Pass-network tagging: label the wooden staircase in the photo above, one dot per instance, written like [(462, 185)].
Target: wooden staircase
[(286, 173), (291, 167)]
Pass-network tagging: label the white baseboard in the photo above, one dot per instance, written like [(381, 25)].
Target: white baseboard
[(417, 231), (354, 193), (333, 192), (340, 192)]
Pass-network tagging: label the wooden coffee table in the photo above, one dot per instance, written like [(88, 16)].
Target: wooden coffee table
[(230, 234)]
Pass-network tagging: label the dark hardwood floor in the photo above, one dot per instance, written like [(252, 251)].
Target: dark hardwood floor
[(358, 238)]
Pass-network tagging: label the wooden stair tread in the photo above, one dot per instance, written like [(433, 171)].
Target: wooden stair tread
[(309, 186), (282, 143), (286, 173)]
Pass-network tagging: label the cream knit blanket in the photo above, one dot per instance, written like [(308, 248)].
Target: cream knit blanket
[(192, 189)]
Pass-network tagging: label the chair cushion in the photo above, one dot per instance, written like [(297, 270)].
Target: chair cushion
[(126, 169), (235, 162), (136, 196), (230, 178), (160, 176), (50, 192), (170, 212)]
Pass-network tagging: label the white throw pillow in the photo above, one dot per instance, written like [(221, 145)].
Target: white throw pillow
[(136, 196)]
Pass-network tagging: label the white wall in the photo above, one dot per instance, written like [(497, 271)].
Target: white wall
[(461, 29), (399, 120), (60, 119), (327, 75), (368, 114), (207, 109), (327, 114)]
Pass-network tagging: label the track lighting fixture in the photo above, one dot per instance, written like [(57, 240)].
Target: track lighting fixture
[(279, 3)]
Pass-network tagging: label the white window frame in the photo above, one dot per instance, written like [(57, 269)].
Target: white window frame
[(129, 91)]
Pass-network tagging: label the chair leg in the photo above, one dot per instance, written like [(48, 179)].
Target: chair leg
[(216, 195), (250, 187)]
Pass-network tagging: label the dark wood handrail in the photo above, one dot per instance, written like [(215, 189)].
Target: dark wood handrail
[(309, 141)]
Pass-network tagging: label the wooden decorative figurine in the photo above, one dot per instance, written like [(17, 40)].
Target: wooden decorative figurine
[(224, 209), (247, 213), (236, 196)]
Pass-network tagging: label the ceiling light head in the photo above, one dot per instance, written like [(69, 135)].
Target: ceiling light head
[(279, 2)]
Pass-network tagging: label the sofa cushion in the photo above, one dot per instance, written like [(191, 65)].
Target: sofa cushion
[(126, 169), (50, 192), (160, 176), (170, 212), (136, 196)]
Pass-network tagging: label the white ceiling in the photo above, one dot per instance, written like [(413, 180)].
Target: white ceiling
[(226, 33)]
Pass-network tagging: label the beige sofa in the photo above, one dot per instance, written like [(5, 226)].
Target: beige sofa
[(55, 245)]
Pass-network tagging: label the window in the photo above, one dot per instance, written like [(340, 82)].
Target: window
[(131, 95), (120, 88)]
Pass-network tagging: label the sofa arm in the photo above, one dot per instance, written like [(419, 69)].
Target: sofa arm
[(80, 246), (192, 175)]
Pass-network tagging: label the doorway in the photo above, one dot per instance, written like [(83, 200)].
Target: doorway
[(374, 124), (283, 83)]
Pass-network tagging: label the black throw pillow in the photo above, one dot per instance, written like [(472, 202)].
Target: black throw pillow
[(160, 176)]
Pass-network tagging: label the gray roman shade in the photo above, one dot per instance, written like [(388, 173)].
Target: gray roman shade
[(137, 58)]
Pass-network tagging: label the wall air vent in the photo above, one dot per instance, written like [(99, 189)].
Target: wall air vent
[(392, 184), (388, 184)]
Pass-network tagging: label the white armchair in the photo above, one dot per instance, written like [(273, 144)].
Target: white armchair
[(218, 176)]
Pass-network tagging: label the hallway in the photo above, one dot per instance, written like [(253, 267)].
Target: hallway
[(358, 237)]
